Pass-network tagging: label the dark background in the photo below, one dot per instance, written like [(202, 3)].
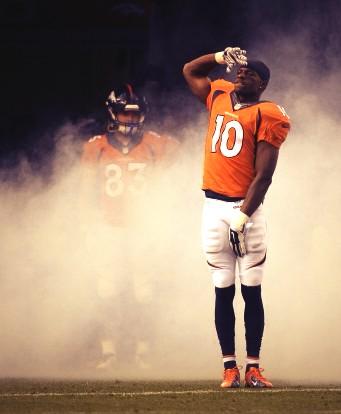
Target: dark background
[(60, 59)]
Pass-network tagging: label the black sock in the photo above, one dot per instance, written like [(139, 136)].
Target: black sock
[(230, 364), (225, 318), (253, 318)]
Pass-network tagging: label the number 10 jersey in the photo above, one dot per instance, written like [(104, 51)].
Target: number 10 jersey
[(234, 130)]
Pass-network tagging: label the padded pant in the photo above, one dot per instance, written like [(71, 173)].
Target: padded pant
[(222, 261)]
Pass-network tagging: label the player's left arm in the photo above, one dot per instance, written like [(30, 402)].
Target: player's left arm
[(273, 131), (274, 127), (266, 161)]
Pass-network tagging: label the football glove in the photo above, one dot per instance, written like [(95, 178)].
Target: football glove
[(230, 57), (237, 233)]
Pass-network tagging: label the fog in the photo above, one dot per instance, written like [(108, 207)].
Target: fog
[(64, 282), (302, 284)]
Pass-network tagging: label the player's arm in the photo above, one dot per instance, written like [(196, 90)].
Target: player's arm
[(87, 188), (88, 164), (273, 130), (196, 72), (266, 161), (196, 75)]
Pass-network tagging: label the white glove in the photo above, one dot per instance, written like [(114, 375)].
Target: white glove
[(230, 57), (237, 233)]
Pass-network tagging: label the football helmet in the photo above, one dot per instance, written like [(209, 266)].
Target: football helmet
[(126, 100)]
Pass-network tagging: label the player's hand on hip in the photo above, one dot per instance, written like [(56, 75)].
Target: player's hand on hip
[(237, 233), (231, 56)]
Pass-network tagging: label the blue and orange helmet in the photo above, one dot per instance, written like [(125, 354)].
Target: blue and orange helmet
[(125, 99)]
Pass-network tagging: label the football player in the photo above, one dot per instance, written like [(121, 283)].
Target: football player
[(241, 150), (117, 166), (121, 160)]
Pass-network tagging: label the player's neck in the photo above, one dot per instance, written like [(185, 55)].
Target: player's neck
[(248, 98), (122, 139)]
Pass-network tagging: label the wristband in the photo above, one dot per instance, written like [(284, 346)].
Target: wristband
[(219, 58)]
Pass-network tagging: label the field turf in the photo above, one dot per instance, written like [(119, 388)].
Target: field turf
[(58, 396)]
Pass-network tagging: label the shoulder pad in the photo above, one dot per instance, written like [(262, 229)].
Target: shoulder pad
[(274, 111), (274, 125), (162, 138), (95, 138), (221, 84), (154, 134)]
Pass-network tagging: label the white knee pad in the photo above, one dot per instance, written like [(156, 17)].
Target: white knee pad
[(222, 277), (251, 274), (252, 277)]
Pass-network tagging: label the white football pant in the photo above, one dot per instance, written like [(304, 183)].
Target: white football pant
[(222, 261)]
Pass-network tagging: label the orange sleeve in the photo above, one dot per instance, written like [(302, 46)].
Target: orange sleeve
[(170, 146), (163, 146), (219, 84), (91, 151), (89, 163), (209, 97), (274, 125)]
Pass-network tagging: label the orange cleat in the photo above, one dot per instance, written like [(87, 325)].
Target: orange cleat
[(231, 378), (254, 379)]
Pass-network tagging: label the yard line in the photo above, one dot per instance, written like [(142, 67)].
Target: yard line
[(164, 392)]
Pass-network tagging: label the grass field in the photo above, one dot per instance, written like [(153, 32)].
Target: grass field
[(57, 396)]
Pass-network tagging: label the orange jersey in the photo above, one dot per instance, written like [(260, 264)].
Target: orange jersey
[(233, 133), (120, 178)]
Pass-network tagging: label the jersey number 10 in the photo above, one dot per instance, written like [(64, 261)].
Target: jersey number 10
[(224, 147)]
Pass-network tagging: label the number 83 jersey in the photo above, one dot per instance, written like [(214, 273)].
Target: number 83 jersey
[(234, 130), (121, 177)]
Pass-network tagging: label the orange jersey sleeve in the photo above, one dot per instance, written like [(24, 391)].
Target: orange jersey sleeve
[(216, 86), (92, 150), (274, 124), (162, 146)]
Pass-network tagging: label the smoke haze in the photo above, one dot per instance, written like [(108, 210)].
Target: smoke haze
[(50, 269)]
